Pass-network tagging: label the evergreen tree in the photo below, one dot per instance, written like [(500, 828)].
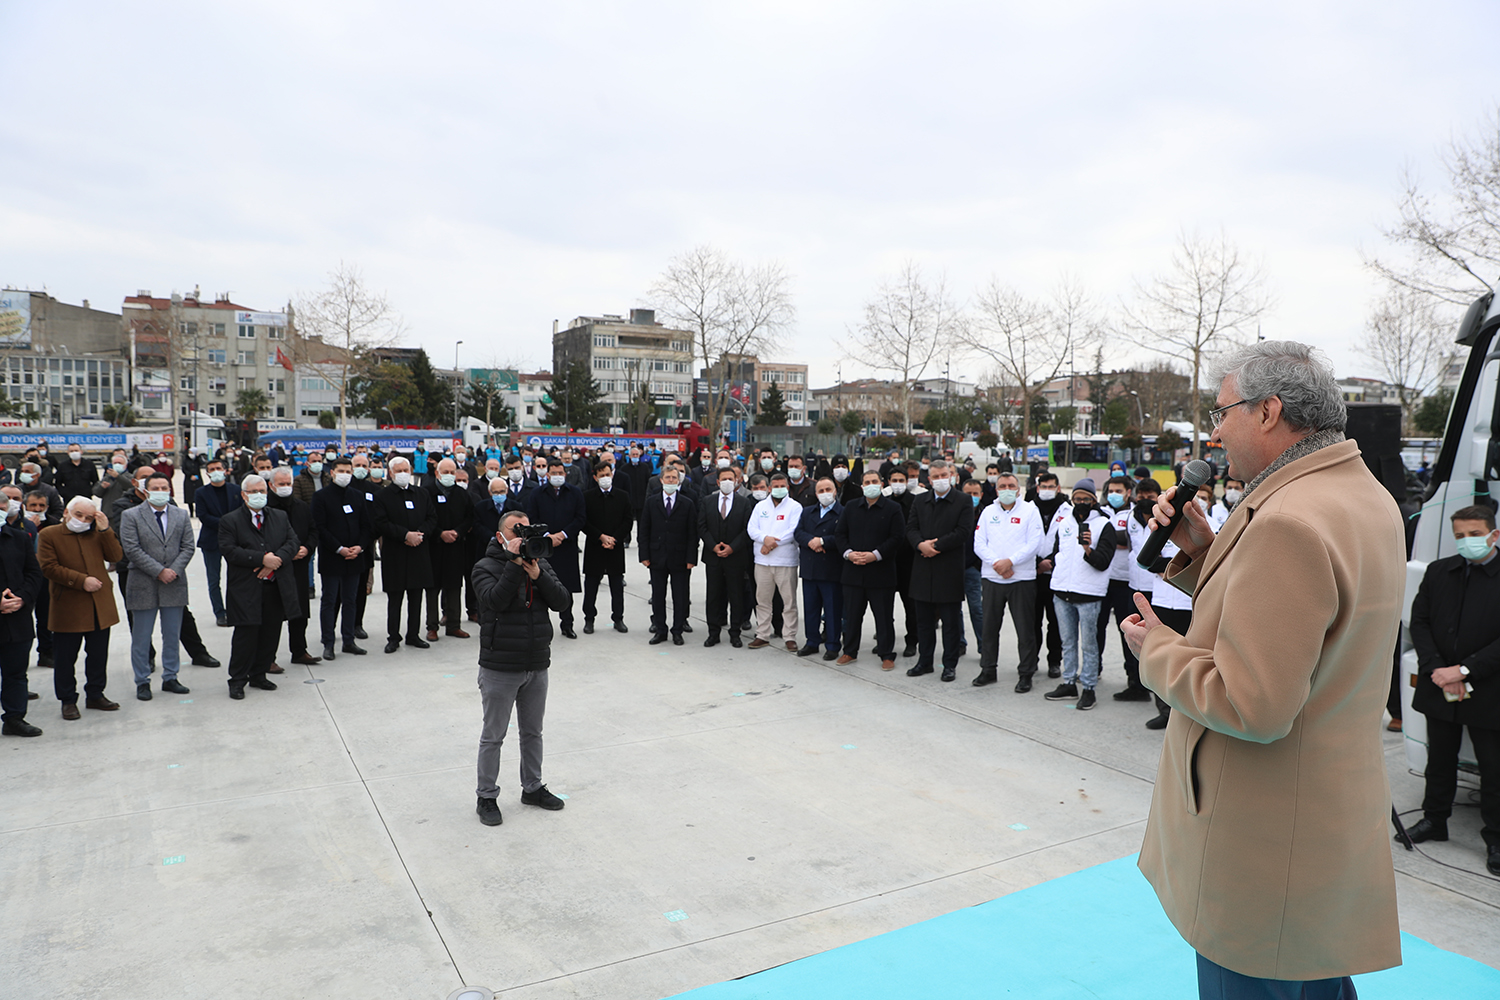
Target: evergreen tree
[(435, 394), (573, 399), (772, 408)]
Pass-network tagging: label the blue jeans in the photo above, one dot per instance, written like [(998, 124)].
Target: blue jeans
[(140, 642), (213, 563), (823, 613), (974, 597), (1079, 622)]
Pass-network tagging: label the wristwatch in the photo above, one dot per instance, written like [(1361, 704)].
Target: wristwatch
[(1463, 670)]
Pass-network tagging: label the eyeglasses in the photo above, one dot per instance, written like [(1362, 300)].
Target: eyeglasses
[(1216, 417)]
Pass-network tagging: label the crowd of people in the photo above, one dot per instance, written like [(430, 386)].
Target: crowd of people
[(940, 536)]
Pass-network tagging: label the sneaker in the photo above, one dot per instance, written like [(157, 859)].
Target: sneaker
[(542, 797), (1062, 692), (1133, 692), (489, 812), (1086, 700)]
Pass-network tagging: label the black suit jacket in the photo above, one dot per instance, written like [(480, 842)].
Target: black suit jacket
[(22, 575), (669, 541), (949, 522), (300, 514), (714, 528), (243, 549), (1453, 622), (336, 528), (866, 528), (395, 512)]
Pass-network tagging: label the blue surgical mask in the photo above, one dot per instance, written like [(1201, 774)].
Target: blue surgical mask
[(499, 500), (975, 500), (1116, 500), (1474, 548)]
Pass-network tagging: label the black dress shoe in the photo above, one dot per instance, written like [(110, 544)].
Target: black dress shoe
[(687, 628), (418, 641), (809, 650), (143, 692), (354, 650), (831, 654), (735, 640), (658, 639), (918, 671), (1160, 722), (174, 686), (588, 626), (1491, 861), (237, 693), (1054, 670), (910, 650), (32, 696), (20, 727), (45, 660), (489, 812), (567, 631), (328, 653), (1426, 829), (542, 797), (204, 660), (985, 677), (1023, 685), (1133, 692), (393, 645), (712, 640), (360, 633), (950, 673), (307, 659), (222, 621), (262, 684), (677, 638), (621, 627)]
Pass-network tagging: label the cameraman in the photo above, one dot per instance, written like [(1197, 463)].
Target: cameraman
[(515, 638)]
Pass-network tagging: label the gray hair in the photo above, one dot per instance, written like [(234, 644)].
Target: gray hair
[(281, 472), (1298, 375), (252, 480), (79, 501)]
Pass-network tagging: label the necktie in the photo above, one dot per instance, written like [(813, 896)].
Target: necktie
[(256, 518), (161, 522), (669, 506), (724, 508)]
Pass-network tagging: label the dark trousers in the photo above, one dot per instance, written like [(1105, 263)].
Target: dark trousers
[(469, 601), (1178, 620), (1020, 598), (339, 594), (1218, 983), (393, 613), (909, 612), (296, 629), (43, 633), (1393, 702), (1121, 600), (616, 596), (660, 577), (1046, 611), (928, 613), (361, 597), (823, 613), (65, 646), (882, 603), (253, 648), (450, 592), (15, 657), (725, 581), (1443, 739)]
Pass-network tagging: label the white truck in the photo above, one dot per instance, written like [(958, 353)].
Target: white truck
[(98, 440), (1465, 472)]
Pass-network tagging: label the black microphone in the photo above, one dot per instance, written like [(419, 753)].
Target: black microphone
[(1194, 475)]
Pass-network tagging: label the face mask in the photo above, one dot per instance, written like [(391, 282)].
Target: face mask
[(12, 509), (778, 492), (361, 471), (514, 475), (34, 516), (840, 474), (76, 456), (448, 479), (492, 473), (605, 482), (1007, 497), (1115, 500), (924, 466), (1202, 503), (460, 458), (1473, 548), (255, 501), (872, 490), (119, 467), (941, 486), (27, 477), (315, 468), (79, 527), (401, 479), (993, 479), (726, 486), (974, 499), (795, 474), (669, 488), (767, 464), (329, 457), (1232, 496), (557, 481), (158, 498), (707, 462), (896, 489), (216, 477), (377, 474), (1082, 509), (758, 494), (342, 479), (1046, 494), (284, 491), (723, 463), (42, 452), (499, 499), (826, 499)]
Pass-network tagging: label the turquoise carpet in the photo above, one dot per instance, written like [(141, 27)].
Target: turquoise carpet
[(1099, 933)]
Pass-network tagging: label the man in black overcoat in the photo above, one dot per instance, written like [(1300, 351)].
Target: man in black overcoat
[(258, 543), (300, 514), (559, 506), (608, 520), (404, 518), (669, 549), (723, 517), (450, 549), (868, 536), (940, 528), (21, 582), (342, 522)]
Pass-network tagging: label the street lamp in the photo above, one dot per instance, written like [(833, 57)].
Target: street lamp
[(1139, 409), (457, 386)]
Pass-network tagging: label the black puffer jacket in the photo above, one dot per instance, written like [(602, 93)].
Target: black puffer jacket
[(515, 624)]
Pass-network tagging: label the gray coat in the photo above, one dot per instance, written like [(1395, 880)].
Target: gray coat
[(148, 553)]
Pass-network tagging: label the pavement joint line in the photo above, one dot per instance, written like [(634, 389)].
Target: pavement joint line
[(375, 804), (1402, 869), (821, 909)]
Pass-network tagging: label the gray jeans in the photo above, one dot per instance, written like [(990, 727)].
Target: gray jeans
[(499, 691), (1020, 599)]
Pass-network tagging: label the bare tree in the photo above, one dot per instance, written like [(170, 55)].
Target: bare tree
[(1452, 239), (1030, 343), (905, 326), (337, 330), (733, 310), (1195, 308), (1405, 342)]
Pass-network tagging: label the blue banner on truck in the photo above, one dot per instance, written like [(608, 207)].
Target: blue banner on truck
[(97, 441)]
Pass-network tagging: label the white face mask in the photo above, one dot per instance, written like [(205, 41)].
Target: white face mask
[(726, 486), (447, 479), (377, 474), (1007, 497), (759, 494), (795, 474), (315, 467), (669, 488), (329, 457), (284, 491), (255, 501), (768, 464), (557, 481), (605, 482), (723, 463), (941, 485), (27, 477), (841, 473), (514, 475), (12, 509), (342, 479), (216, 477), (360, 471), (1232, 496), (492, 473), (119, 467), (898, 488), (76, 456), (158, 498), (79, 527), (401, 479), (34, 516), (1046, 494), (826, 498), (993, 479)]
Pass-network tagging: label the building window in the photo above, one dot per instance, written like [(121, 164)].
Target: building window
[(681, 345), (216, 357), (315, 384), (604, 340), (187, 382), (531, 411), (603, 363), (218, 409), (280, 410), (218, 329), (152, 402), (247, 331), (217, 383), (276, 332), (274, 385), (245, 358)]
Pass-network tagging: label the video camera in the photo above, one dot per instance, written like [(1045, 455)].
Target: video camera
[(534, 541)]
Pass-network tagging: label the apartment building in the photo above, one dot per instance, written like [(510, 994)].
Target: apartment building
[(624, 352), (60, 361)]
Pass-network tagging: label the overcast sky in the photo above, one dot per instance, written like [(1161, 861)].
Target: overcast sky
[(496, 166)]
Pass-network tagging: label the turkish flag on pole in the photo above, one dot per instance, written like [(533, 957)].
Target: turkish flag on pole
[(283, 360)]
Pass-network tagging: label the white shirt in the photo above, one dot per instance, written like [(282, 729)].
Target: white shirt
[(1119, 566), (1071, 574), (1014, 534), (1141, 579), (772, 520), (1167, 595)]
